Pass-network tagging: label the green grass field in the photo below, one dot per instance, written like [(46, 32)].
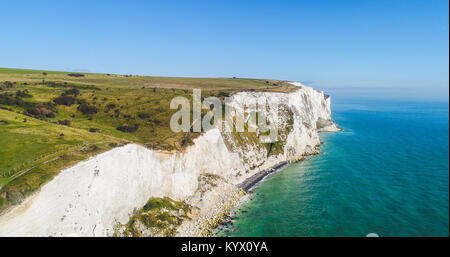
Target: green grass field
[(34, 146)]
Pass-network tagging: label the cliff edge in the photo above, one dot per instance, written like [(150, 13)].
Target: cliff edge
[(111, 193)]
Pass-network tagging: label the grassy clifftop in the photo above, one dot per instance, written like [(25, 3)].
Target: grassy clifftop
[(50, 120)]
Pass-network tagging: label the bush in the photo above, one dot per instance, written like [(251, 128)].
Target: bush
[(186, 140), (225, 94), (40, 111), (111, 106), (7, 99), (128, 128), (72, 91), (91, 148), (144, 115), (75, 75), (64, 122), (23, 94), (81, 101), (64, 100), (87, 109), (9, 84)]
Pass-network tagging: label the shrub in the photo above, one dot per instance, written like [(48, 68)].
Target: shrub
[(128, 128), (144, 115), (9, 84), (113, 144), (91, 148), (186, 140), (8, 99), (40, 111), (64, 100), (64, 122), (111, 106), (225, 94), (75, 75), (23, 94), (72, 91), (81, 101), (87, 109)]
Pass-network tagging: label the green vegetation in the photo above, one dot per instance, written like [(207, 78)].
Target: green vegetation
[(250, 140), (109, 102), (50, 120), (206, 182), (33, 152), (158, 217), (277, 147)]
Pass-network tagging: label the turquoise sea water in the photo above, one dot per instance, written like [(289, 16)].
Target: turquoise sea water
[(387, 173)]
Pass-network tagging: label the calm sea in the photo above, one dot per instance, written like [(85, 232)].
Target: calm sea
[(386, 173)]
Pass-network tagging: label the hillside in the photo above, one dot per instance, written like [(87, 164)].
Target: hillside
[(136, 191), (50, 120)]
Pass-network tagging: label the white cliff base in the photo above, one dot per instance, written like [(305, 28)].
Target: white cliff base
[(94, 196)]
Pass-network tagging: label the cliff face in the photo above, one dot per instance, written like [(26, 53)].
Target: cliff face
[(94, 197)]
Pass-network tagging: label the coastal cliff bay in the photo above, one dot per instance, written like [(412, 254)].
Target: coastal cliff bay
[(93, 154)]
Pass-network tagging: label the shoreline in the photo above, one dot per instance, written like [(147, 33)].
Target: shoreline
[(250, 182), (246, 186), (229, 200), (212, 176), (225, 217)]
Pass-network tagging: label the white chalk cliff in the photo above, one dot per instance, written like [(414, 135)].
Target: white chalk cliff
[(93, 196)]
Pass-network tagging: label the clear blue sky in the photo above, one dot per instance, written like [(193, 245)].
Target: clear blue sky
[(395, 46)]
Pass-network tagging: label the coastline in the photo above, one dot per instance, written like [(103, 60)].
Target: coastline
[(211, 182), (228, 198), (233, 199), (246, 186), (250, 182)]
